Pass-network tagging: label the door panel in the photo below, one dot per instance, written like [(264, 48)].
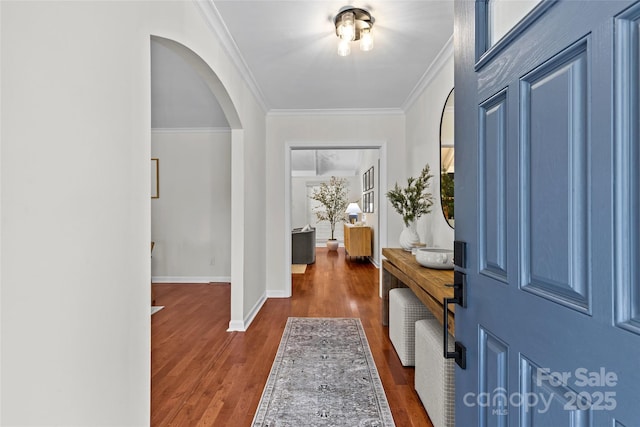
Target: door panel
[(493, 190), (493, 384), (549, 403), (548, 200), (553, 123), (627, 93)]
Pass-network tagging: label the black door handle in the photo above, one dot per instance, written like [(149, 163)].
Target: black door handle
[(459, 297)]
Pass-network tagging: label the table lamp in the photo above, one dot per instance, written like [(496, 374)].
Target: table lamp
[(353, 210)]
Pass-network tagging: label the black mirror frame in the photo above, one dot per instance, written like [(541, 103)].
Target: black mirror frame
[(440, 163)]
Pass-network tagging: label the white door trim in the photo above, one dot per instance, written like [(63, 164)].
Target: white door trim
[(381, 146)]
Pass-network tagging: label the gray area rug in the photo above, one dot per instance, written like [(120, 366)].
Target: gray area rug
[(323, 375)]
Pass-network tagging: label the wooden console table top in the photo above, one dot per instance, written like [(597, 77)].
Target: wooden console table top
[(400, 268)]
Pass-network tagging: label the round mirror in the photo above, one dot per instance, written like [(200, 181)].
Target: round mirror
[(446, 160)]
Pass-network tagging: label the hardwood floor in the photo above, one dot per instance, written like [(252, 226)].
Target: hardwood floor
[(203, 375)]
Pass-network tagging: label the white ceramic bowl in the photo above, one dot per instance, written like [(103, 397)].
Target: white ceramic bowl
[(438, 258)]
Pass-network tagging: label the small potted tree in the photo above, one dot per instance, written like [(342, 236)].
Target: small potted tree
[(333, 197)]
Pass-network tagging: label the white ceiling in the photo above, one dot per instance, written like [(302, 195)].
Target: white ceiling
[(290, 48), (286, 51)]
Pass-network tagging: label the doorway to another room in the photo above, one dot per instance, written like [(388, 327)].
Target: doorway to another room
[(361, 166)]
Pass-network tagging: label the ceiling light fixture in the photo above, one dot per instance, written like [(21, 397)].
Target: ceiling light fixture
[(353, 24)]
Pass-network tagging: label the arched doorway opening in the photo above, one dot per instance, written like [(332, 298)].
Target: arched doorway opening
[(223, 98)]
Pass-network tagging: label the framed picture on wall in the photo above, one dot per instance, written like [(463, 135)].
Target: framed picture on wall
[(367, 202), (367, 180)]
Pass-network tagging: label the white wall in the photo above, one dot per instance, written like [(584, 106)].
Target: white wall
[(299, 211), (75, 214), (423, 146), (323, 130), (191, 220)]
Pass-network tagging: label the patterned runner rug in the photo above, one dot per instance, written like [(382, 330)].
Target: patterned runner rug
[(323, 375)]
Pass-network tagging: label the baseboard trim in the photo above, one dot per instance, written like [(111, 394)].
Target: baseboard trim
[(236, 326), (243, 325), (277, 294), (254, 311), (190, 279)]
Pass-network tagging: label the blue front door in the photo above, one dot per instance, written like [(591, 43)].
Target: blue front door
[(547, 128)]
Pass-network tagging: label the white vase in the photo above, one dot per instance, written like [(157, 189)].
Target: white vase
[(409, 236), (332, 244)]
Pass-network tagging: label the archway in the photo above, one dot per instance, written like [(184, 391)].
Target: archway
[(217, 88)]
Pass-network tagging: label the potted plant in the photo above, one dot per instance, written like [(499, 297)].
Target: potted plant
[(446, 196), (412, 202), (333, 197)]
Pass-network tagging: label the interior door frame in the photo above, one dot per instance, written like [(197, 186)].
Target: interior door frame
[(381, 146)]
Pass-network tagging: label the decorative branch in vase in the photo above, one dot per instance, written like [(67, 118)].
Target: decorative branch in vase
[(333, 197), (412, 202)]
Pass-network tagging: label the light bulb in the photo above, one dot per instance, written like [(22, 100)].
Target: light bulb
[(347, 27), (366, 40), (343, 47)]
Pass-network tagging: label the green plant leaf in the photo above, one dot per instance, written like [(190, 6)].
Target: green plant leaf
[(414, 200)]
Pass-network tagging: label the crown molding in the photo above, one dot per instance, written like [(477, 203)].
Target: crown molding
[(440, 60), (192, 130), (338, 112), (217, 25)]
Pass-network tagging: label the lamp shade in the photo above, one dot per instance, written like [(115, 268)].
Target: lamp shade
[(366, 40), (347, 26), (343, 48), (353, 208)]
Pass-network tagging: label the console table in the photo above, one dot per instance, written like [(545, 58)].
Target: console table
[(357, 240), (401, 270)]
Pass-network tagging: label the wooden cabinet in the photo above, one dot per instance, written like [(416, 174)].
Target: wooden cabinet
[(357, 240)]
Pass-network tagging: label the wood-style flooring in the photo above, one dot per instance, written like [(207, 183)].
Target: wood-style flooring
[(202, 375)]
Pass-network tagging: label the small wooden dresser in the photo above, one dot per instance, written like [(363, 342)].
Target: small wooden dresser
[(357, 240)]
